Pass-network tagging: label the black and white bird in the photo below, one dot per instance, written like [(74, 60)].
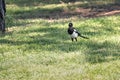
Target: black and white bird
[(74, 33)]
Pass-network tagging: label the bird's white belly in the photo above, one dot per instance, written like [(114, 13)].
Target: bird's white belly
[(74, 35)]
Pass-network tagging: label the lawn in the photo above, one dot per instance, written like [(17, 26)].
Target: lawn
[(36, 45)]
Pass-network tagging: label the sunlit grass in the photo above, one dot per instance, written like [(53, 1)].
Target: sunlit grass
[(41, 49)]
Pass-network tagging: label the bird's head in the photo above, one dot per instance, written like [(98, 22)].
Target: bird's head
[(70, 24)]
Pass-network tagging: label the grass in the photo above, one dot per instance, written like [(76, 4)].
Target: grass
[(40, 49)]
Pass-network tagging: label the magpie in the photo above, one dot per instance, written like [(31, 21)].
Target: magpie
[(74, 33)]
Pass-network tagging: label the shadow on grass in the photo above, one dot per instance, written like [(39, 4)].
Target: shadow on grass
[(102, 52), (12, 22)]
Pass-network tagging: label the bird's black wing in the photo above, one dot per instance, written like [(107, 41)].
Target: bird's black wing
[(70, 30)]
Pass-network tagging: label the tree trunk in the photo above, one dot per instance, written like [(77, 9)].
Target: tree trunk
[(2, 15)]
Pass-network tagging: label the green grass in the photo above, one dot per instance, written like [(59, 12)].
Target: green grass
[(35, 48)]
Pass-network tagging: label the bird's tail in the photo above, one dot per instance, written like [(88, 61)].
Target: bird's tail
[(84, 37)]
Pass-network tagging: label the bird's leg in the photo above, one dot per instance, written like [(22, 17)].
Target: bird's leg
[(76, 39), (72, 39)]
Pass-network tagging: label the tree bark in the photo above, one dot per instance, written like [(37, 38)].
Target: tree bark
[(2, 15)]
